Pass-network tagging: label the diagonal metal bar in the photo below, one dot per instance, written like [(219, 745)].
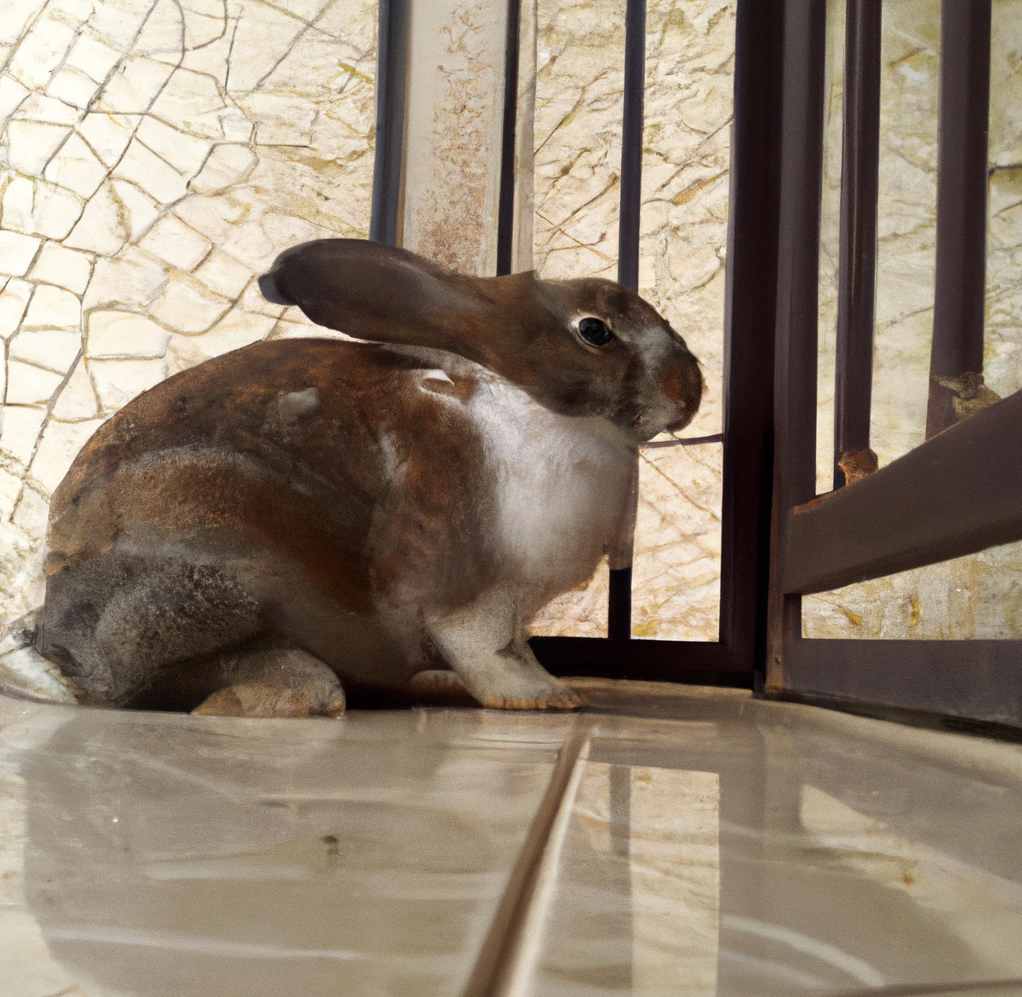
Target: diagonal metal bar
[(956, 494)]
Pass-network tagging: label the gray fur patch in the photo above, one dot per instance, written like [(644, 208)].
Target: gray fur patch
[(292, 405)]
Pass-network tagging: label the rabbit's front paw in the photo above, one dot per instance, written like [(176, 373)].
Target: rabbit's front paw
[(519, 685), (553, 696), (495, 662)]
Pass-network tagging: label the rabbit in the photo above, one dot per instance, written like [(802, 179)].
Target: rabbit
[(262, 531)]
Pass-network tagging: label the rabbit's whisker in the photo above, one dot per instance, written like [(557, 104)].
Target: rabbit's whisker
[(680, 441)]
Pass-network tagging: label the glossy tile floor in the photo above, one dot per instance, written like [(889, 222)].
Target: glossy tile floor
[(668, 840)]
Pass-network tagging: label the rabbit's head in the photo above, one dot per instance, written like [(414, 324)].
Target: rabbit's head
[(585, 347)]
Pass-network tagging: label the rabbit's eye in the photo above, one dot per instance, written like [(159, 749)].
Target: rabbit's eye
[(594, 332)]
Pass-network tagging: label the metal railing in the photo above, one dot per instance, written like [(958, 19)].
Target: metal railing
[(958, 492), (954, 494)]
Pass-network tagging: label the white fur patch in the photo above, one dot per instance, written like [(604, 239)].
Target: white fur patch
[(436, 375), (561, 483), (292, 405)]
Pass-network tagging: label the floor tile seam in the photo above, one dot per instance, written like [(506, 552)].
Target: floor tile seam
[(499, 964)]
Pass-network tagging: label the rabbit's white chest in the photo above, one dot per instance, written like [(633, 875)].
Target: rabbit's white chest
[(560, 485)]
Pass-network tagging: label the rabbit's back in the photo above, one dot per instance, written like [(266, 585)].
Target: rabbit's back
[(346, 458), (287, 404)]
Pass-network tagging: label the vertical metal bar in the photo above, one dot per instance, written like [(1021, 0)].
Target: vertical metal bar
[(506, 206), (391, 74), (797, 307), (860, 158), (525, 139), (749, 320), (631, 144), (619, 610), (957, 352)]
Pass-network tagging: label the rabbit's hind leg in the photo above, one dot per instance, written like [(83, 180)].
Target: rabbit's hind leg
[(487, 648), (116, 625), (275, 682)]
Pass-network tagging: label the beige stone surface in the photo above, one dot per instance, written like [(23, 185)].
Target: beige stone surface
[(453, 134), (63, 267), (970, 597), (17, 252), (138, 136)]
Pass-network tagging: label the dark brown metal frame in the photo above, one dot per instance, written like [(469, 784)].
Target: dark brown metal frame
[(857, 254), (961, 205), (751, 277), (748, 392), (391, 83), (506, 205), (957, 493), (619, 596)]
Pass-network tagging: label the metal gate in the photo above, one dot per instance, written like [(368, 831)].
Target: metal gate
[(960, 491), (957, 493), (748, 328)]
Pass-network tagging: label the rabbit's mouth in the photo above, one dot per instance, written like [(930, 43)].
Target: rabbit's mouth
[(663, 419)]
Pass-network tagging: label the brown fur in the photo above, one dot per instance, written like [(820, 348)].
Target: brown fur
[(306, 490)]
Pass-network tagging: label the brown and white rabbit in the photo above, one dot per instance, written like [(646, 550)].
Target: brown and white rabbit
[(299, 514)]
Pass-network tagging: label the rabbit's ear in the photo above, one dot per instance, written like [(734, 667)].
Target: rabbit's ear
[(380, 293)]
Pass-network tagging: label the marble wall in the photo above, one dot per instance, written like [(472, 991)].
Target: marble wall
[(979, 596), (155, 157)]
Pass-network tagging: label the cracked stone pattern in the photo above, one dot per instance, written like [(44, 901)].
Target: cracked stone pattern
[(971, 597), (688, 110), (455, 105), (154, 159)]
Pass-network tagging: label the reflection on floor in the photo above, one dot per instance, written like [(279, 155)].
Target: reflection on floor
[(667, 840)]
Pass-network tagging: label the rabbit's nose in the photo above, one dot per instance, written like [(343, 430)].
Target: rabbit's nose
[(684, 387)]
